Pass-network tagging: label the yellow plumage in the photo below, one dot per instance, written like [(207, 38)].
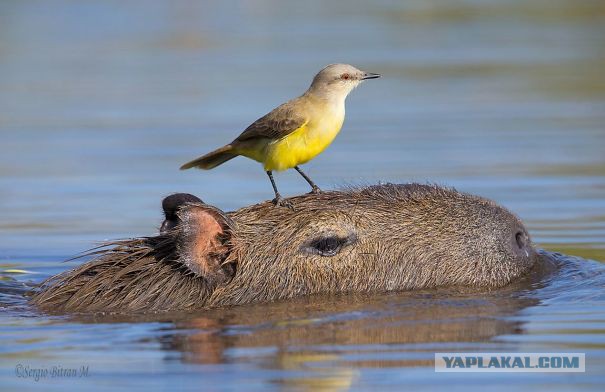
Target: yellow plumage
[(297, 148), (296, 131)]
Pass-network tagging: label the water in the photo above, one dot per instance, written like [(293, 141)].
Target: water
[(103, 101)]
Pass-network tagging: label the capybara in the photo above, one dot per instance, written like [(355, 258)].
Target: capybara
[(373, 239)]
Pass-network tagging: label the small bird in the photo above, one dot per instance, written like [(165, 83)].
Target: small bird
[(296, 131)]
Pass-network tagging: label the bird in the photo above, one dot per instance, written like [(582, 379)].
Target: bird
[(295, 132)]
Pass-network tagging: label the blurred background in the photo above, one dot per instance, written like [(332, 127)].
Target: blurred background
[(101, 102)]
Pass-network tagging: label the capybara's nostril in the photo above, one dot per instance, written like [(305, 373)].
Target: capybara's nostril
[(521, 239)]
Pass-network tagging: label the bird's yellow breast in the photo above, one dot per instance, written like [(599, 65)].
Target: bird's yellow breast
[(303, 144)]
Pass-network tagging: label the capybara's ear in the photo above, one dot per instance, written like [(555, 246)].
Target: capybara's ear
[(171, 205), (204, 242)]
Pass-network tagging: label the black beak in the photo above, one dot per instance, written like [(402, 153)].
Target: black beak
[(369, 75)]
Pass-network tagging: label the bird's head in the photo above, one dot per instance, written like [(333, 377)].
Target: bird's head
[(337, 80)]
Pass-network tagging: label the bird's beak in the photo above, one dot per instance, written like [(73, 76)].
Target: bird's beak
[(369, 75)]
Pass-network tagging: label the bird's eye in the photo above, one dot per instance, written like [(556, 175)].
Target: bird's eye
[(327, 246), (345, 76)]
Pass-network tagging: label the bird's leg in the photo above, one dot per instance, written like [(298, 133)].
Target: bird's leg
[(278, 201), (314, 188)]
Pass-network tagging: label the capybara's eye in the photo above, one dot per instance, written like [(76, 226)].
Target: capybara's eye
[(328, 245)]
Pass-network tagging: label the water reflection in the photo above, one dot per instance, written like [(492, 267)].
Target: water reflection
[(324, 342)]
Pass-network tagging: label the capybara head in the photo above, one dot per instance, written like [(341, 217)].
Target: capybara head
[(374, 239)]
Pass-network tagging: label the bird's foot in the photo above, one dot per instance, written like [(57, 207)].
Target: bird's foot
[(281, 202), (315, 190)]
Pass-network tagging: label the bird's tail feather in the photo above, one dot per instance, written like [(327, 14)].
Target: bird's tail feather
[(212, 159)]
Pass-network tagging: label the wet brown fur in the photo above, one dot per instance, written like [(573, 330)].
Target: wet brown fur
[(403, 237)]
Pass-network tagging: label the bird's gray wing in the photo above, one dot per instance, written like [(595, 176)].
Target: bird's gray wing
[(280, 122)]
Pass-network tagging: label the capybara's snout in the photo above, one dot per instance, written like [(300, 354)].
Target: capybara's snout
[(521, 243), (511, 252), (525, 255)]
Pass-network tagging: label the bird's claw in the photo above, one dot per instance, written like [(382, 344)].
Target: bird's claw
[(315, 190), (281, 202)]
